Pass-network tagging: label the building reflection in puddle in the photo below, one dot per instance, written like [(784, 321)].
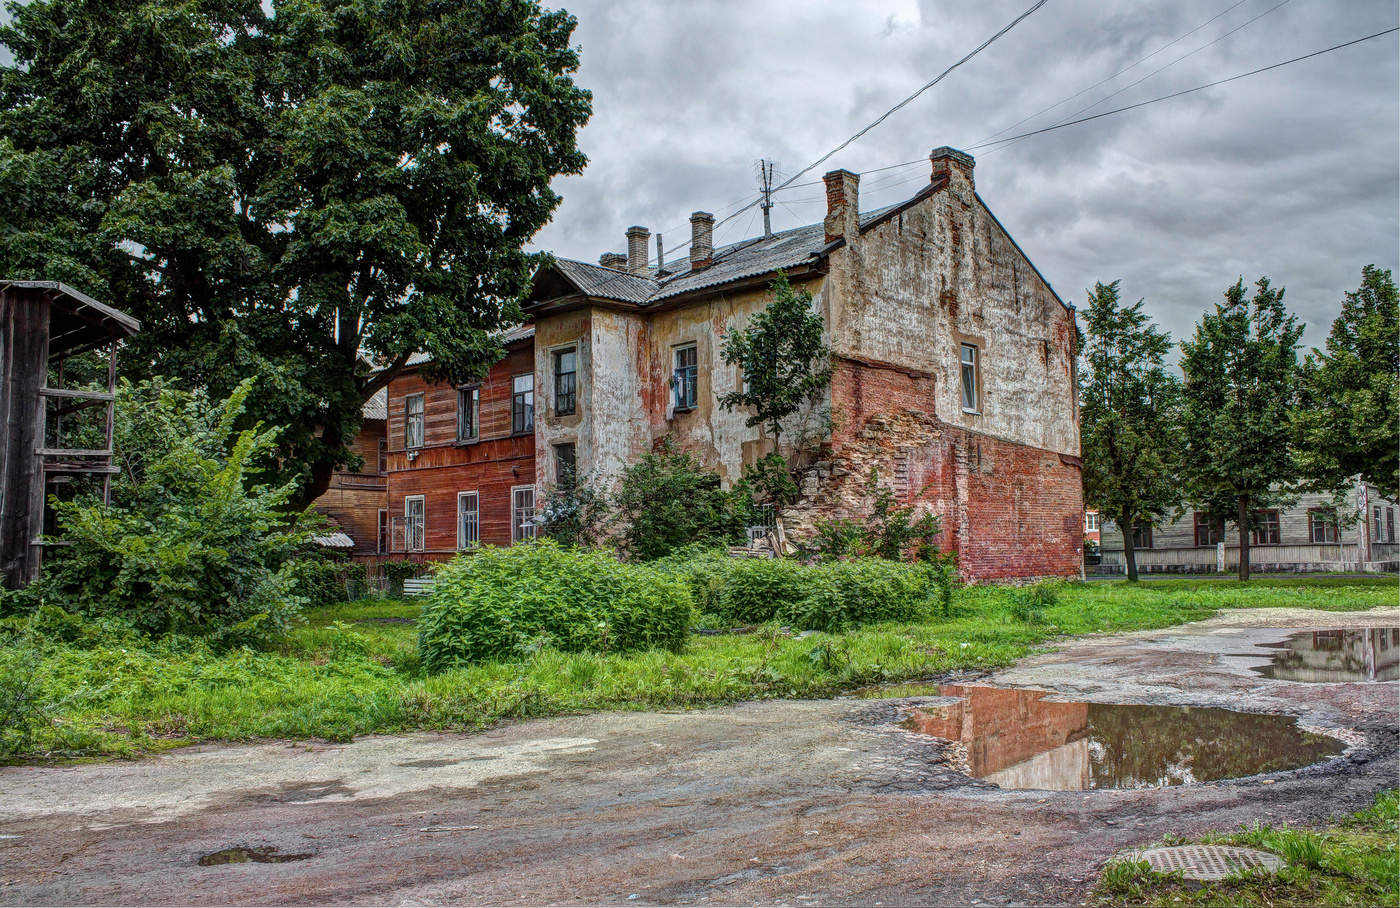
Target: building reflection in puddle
[(1019, 739), (1336, 656)]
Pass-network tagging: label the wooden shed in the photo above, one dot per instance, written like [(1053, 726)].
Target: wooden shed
[(43, 324)]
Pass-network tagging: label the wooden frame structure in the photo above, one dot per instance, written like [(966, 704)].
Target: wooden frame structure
[(42, 325)]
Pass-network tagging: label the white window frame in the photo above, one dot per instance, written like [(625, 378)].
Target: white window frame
[(1091, 521), (409, 441), (463, 542), (409, 538), (519, 530), (527, 405), (384, 538), (970, 391), (471, 393)]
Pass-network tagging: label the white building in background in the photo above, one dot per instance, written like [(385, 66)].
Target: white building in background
[(1307, 536)]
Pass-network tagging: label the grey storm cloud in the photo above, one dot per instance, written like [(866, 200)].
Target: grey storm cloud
[(1294, 173)]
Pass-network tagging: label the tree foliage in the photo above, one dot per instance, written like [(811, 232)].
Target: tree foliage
[(1348, 415), (289, 191), (192, 544), (1129, 408), (782, 357), (668, 500), (1241, 369)]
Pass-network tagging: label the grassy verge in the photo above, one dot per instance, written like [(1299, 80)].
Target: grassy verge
[(1350, 862), (353, 669)]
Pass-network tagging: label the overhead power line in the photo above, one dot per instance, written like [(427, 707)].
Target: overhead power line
[(1066, 100), (1187, 91)]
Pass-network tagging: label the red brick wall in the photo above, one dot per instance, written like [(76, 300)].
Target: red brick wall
[(1009, 511), (490, 466)]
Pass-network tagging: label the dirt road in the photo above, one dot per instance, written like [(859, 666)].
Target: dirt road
[(803, 803)]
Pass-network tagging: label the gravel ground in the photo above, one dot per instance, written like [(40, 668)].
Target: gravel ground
[(796, 802)]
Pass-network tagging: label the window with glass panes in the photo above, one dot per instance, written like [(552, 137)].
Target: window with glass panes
[(468, 413), (565, 465), (971, 398), (468, 519), (1208, 531), (522, 403), (684, 378), (414, 521), (522, 513), (1142, 537), (413, 421), (565, 381), (1322, 525), (1266, 528)]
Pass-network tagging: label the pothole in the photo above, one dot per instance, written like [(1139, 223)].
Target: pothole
[(1018, 738), (240, 855), (1209, 862), (1335, 656)]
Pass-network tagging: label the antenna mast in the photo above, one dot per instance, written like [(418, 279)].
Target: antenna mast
[(765, 177)]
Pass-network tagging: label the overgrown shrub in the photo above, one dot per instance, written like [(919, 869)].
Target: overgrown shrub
[(890, 531), (668, 500), (192, 544), (1029, 603), (503, 603), (863, 591), (23, 708), (396, 572), (320, 580), (744, 591), (574, 515)]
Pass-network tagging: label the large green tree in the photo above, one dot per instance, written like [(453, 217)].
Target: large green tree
[(1348, 417), (1128, 416), (304, 191), (1241, 370), (781, 354)]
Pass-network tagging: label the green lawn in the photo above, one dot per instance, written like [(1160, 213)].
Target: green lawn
[(353, 669), (1353, 861)]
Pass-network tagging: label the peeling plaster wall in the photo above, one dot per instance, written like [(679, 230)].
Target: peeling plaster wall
[(614, 430), (941, 273), (551, 334)]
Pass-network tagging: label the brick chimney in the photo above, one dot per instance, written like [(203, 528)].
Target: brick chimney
[(702, 240), (637, 242), (842, 206), (953, 164), (615, 260)]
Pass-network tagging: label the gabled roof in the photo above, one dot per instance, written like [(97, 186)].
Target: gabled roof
[(506, 337), (377, 407), (745, 259)]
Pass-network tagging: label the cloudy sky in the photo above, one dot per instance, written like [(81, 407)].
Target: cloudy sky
[(1294, 174)]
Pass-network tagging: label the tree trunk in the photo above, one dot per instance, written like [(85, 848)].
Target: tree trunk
[(1125, 524), (1242, 517), (316, 485)]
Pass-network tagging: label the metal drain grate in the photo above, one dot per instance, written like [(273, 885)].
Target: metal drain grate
[(1209, 862)]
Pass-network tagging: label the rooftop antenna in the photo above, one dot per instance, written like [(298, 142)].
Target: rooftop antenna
[(765, 177)]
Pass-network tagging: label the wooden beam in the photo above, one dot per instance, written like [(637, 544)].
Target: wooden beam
[(77, 395), (73, 452)]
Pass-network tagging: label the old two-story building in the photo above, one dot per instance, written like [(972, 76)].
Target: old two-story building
[(953, 380), (953, 368)]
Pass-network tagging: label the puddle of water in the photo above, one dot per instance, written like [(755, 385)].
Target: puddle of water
[(1347, 655), (1019, 739), (267, 855)]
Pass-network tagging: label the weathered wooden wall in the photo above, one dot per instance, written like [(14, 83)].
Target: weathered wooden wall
[(24, 355)]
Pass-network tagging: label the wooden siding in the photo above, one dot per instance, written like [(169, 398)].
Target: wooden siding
[(491, 465), (354, 498)]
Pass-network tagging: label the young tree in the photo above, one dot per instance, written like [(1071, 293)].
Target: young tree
[(782, 357), (1241, 369), (291, 190), (1129, 407), (1349, 396)]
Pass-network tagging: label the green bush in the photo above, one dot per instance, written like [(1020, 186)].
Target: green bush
[(320, 580), (396, 572), (504, 603), (191, 544), (668, 500), (742, 591), (863, 591), (23, 707), (1029, 603)]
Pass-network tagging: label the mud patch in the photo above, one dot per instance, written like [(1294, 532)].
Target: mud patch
[(1335, 656), (1017, 738), (242, 855)]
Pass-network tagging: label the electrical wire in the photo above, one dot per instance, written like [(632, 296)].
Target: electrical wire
[(1187, 91), (1176, 40)]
